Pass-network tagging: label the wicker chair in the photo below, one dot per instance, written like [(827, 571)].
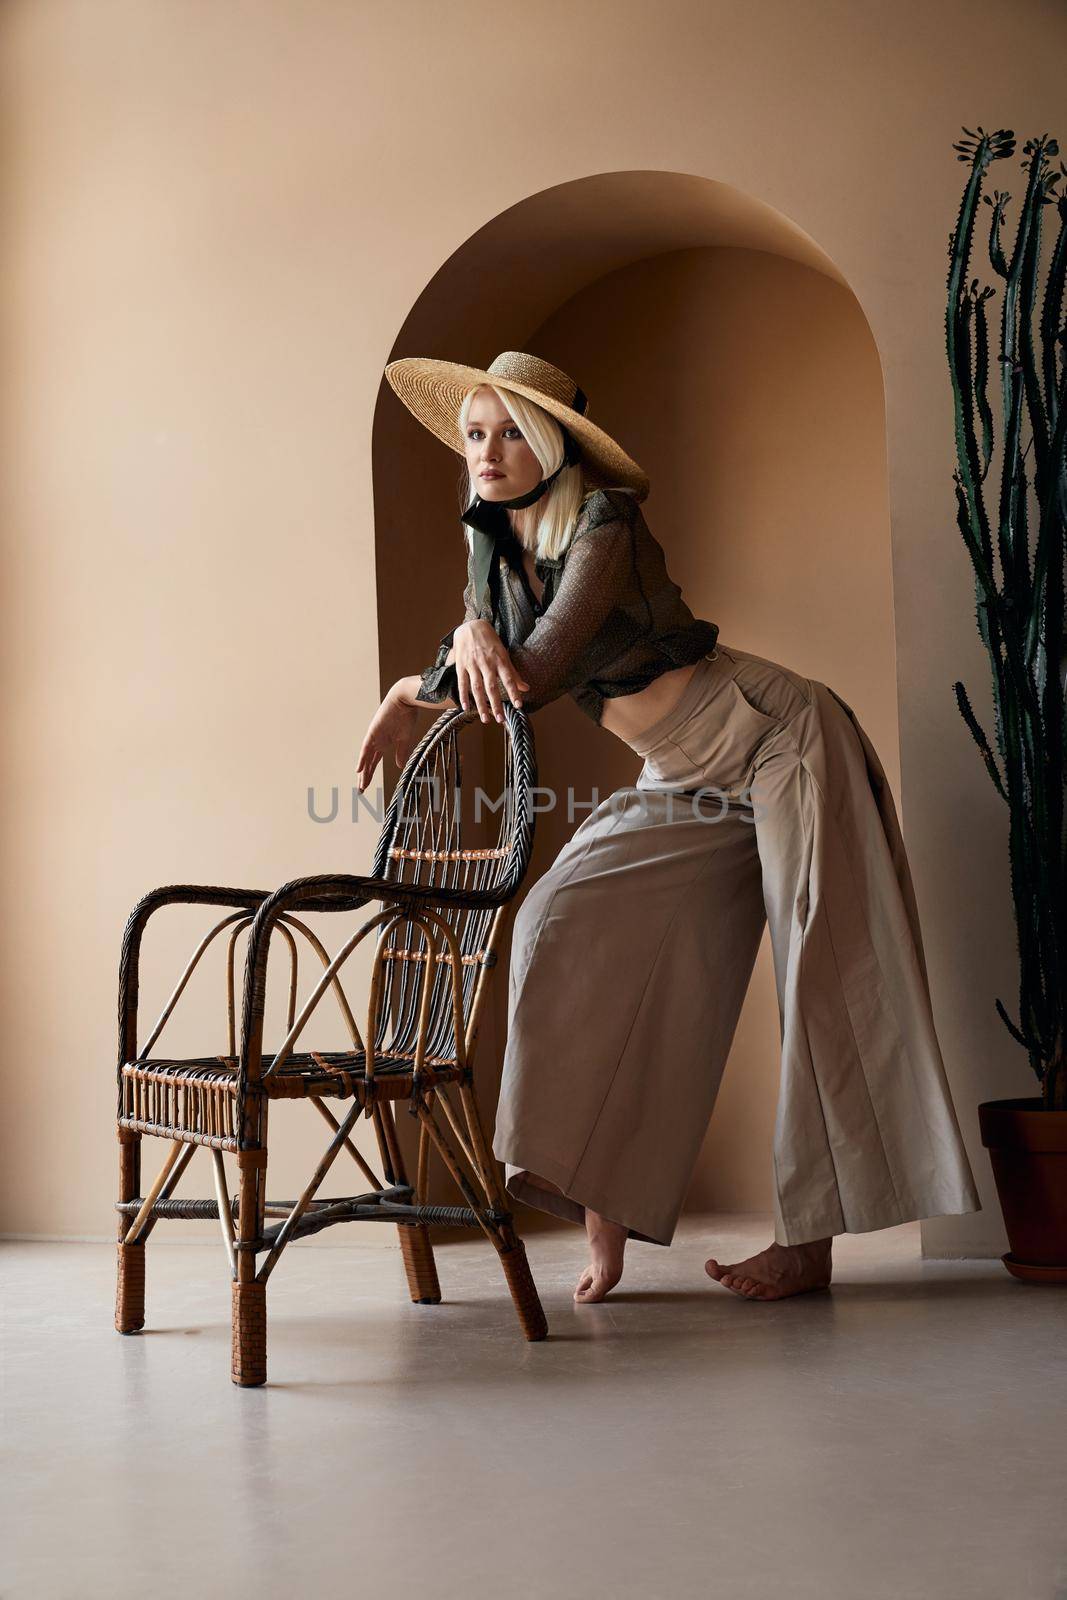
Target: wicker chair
[(437, 935)]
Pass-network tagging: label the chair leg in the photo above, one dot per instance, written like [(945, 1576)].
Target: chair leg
[(512, 1251), (129, 1288), (248, 1363), (505, 1240), (419, 1264), (415, 1246), (129, 1282), (532, 1317), (248, 1366)]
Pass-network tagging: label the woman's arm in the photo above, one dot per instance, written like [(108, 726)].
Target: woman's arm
[(481, 669), (485, 665), (555, 656), (438, 683), (597, 573)]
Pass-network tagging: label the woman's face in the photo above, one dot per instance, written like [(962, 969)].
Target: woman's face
[(495, 446)]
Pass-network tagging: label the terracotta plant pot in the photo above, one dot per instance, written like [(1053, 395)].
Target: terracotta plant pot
[(1028, 1153)]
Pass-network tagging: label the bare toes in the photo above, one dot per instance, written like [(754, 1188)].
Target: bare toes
[(596, 1283)]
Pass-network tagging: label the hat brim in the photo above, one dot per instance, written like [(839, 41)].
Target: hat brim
[(433, 392)]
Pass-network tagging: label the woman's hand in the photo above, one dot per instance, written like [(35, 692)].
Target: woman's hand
[(482, 664), (392, 728)]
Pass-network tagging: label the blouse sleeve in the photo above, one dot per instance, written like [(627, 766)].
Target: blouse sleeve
[(568, 640), (439, 682)]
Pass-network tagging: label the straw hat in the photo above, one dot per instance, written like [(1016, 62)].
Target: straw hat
[(433, 391)]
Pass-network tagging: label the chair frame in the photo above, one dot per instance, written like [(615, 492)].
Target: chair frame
[(221, 1103)]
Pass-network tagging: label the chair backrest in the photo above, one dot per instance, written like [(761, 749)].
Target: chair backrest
[(442, 833)]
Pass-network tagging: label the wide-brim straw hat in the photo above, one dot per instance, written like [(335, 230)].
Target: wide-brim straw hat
[(433, 391)]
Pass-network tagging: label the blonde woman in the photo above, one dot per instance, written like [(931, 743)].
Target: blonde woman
[(760, 799)]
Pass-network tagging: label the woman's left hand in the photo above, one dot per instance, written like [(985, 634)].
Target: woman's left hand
[(393, 728)]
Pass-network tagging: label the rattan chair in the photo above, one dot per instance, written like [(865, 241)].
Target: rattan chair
[(437, 933)]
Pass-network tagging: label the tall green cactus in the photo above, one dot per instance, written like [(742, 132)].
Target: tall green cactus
[(1020, 607)]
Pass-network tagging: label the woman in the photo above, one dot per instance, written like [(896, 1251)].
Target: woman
[(760, 799)]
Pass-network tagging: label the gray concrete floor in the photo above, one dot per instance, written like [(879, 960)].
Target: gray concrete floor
[(899, 1437)]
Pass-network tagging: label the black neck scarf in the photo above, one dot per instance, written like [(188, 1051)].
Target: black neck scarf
[(491, 525)]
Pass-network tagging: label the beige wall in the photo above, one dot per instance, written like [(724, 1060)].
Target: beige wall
[(218, 226)]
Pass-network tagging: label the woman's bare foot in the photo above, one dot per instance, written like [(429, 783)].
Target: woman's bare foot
[(779, 1270), (607, 1241)]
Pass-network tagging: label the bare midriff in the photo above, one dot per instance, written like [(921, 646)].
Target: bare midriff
[(628, 715)]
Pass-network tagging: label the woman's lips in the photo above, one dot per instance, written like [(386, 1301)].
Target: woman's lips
[(491, 474)]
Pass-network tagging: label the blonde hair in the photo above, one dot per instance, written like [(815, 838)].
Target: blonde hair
[(560, 504)]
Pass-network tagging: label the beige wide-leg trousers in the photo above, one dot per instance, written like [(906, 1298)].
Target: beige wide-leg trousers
[(761, 800)]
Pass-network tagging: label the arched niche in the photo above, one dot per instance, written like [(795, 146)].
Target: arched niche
[(724, 349)]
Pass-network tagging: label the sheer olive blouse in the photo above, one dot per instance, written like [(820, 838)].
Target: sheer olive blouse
[(610, 619)]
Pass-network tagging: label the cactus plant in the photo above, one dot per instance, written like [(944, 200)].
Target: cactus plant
[(1019, 578)]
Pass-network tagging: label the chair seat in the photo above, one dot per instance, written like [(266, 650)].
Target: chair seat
[(336, 1074), (196, 1099)]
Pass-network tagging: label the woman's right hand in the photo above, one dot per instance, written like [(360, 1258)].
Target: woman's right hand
[(482, 664)]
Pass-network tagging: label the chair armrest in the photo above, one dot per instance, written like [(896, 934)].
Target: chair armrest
[(347, 892), (129, 962), (195, 894)]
